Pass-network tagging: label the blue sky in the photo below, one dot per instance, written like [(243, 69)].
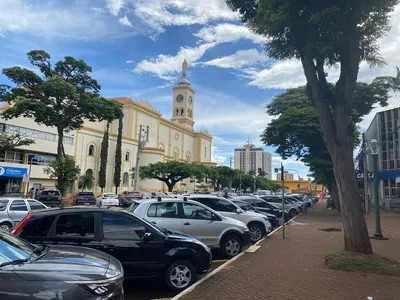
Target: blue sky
[(136, 48)]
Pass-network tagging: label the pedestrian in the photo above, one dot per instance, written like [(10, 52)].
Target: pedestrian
[(226, 196), (305, 206), (31, 193), (36, 194)]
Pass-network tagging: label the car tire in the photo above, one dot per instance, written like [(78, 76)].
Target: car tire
[(5, 226), (231, 246), (292, 213), (180, 275), (256, 232)]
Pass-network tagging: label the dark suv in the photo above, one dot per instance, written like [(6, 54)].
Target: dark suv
[(144, 250), (28, 271)]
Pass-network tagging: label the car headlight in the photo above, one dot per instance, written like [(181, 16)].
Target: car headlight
[(245, 228), (266, 219)]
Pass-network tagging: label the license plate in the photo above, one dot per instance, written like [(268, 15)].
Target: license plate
[(86, 203)]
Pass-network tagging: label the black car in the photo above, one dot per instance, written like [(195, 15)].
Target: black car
[(274, 220), (126, 198), (28, 271), (263, 206), (144, 250), (85, 198)]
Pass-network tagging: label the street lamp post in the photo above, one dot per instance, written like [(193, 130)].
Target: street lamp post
[(374, 149)]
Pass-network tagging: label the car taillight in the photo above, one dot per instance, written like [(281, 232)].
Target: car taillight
[(126, 196), (21, 225), (59, 198), (141, 197)]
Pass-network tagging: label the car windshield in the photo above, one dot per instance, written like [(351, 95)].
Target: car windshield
[(51, 193), (13, 248), (244, 206), (3, 204), (133, 206), (110, 195)]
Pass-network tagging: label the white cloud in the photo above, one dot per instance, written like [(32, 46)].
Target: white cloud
[(114, 6), (242, 58), (226, 33), (50, 21), (221, 141), (125, 21), (158, 14), (165, 66)]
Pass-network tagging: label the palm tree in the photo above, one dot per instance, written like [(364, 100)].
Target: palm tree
[(390, 82), (85, 182)]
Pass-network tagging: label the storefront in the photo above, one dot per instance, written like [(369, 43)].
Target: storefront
[(11, 179)]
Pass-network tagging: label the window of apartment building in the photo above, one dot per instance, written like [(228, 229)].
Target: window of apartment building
[(393, 190), (40, 159), (386, 188), (15, 157)]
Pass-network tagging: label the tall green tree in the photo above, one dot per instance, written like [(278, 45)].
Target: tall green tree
[(66, 172), (296, 131), (321, 34), (104, 158), (63, 96), (170, 172), (118, 156)]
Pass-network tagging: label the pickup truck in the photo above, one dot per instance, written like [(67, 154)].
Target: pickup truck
[(50, 197)]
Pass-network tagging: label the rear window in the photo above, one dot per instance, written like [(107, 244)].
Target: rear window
[(37, 227), (85, 194), (134, 194), (110, 195), (51, 193), (3, 204)]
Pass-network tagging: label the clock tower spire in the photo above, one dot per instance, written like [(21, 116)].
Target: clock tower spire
[(183, 100)]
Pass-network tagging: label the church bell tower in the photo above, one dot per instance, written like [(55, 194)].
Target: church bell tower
[(183, 101)]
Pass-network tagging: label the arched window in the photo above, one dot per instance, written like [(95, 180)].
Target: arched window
[(125, 178), (91, 150), (176, 154), (182, 111), (177, 112), (89, 172), (189, 113), (127, 156)]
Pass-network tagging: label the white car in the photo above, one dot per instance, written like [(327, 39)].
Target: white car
[(195, 219), (108, 199), (258, 224)]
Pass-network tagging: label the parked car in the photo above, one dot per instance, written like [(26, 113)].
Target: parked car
[(193, 218), (300, 197), (258, 224), (275, 222), (14, 209), (295, 201), (85, 198), (263, 192), (108, 199), (50, 197), (291, 208), (126, 198), (56, 272), (144, 250), (264, 206)]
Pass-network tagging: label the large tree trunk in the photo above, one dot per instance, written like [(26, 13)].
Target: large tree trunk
[(335, 195), (60, 145)]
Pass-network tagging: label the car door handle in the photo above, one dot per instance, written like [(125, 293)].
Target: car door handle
[(152, 222), (186, 223)]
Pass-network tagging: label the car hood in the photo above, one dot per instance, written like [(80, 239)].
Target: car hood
[(177, 235), (68, 263)]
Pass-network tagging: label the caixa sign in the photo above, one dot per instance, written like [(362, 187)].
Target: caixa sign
[(360, 176)]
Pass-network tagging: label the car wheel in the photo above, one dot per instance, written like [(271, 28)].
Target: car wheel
[(256, 232), (5, 226), (180, 275), (292, 213), (231, 246)]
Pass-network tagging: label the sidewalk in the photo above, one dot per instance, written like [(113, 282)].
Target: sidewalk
[(293, 269)]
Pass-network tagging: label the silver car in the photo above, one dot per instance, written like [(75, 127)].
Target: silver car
[(195, 219), (14, 209)]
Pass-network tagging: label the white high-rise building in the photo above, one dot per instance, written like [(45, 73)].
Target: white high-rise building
[(250, 158)]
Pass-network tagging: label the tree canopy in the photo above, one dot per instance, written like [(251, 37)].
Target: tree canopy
[(9, 142), (321, 34)]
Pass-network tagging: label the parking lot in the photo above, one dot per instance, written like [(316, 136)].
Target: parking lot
[(155, 289)]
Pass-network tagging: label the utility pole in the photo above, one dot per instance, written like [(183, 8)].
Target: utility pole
[(254, 185), (143, 138), (283, 200), (365, 167), (230, 179)]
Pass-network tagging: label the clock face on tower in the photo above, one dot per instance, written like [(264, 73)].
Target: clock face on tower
[(190, 100), (179, 98)]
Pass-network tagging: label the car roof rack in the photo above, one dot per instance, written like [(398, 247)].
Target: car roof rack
[(159, 199), (185, 199)]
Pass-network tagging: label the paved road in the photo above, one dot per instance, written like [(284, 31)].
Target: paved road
[(154, 289)]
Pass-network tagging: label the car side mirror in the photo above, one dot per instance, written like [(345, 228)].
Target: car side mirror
[(238, 211), (147, 237), (215, 218)]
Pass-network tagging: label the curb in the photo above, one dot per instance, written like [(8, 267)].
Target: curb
[(224, 265)]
